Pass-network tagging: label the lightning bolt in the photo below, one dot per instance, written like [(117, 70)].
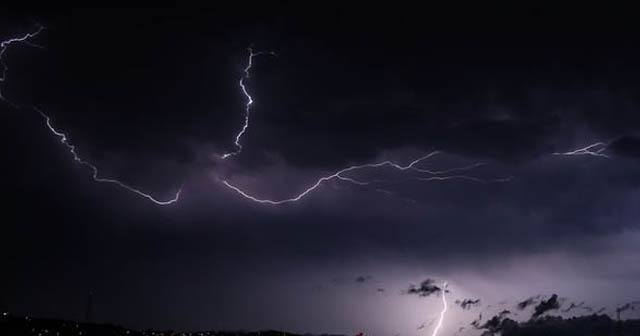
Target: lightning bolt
[(4, 45), (339, 175), (249, 100), (444, 310), (594, 149), (72, 149)]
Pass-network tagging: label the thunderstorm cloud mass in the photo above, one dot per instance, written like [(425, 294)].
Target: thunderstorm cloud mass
[(454, 170)]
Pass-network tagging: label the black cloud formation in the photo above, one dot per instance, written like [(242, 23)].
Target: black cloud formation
[(386, 96), (468, 303), (495, 325), (426, 288), (476, 323), (504, 313), (580, 326), (628, 306), (526, 303), (349, 92), (363, 278), (628, 146), (546, 305), (580, 305)]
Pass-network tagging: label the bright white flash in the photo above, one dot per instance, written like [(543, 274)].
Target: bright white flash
[(63, 137), (595, 149), (247, 106), (444, 310)]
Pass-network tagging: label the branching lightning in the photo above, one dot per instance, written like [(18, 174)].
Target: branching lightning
[(62, 136), (247, 106), (340, 175), (594, 149), (444, 310)]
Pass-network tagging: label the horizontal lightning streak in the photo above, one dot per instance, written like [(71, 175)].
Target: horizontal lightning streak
[(439, 176), (464, 177), (594, 149), (426, 179)]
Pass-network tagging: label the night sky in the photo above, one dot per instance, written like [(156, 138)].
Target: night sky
[(152, 99)]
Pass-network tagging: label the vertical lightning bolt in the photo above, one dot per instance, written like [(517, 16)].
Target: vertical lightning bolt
[(444, 310), (4, 45), (594, 149), (249, 99)]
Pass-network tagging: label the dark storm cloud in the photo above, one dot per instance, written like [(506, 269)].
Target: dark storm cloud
[(152, 103), (375, 106), (426, 288), (628, 306), (546, 305), (525, 134), (504, 313), (580, 305), (576, 326), (485, 113), (372, 107), (457, 128), (492, 326), (363, 278), (494, 116), (628, 146), (495, 325), (468, 303), (526, 303), (476, 323)]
